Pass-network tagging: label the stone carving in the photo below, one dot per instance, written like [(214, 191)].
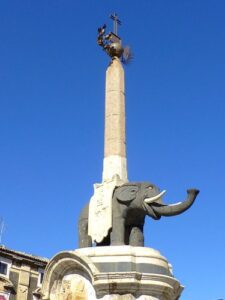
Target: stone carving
[(131, 202), (76, 287), (2, 285), (6, 286)]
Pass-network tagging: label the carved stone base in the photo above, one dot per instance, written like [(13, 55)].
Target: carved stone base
[(118, 272)]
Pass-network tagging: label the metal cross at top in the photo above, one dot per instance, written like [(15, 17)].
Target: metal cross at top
[(116, 22)]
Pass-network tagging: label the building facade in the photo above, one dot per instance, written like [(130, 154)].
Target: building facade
[(21, 275)]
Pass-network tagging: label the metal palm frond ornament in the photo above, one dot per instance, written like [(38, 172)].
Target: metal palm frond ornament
[(111, 42)]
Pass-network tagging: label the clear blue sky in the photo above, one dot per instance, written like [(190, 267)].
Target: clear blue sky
[(51, 124)]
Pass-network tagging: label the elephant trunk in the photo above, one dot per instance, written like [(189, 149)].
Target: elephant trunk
[(178, 208)]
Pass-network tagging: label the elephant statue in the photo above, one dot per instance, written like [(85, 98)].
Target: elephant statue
[(131, 202)]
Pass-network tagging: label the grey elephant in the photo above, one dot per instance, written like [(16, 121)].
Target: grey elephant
[(131, 202)]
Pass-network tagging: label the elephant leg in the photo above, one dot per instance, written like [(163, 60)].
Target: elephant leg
[(84, 238), (137, 237), (127, 234), (118, 232)]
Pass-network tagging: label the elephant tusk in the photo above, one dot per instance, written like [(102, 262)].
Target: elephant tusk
[(149, 200), (174, 204)]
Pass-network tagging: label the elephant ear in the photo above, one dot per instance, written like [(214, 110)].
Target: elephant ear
[(126, 193)]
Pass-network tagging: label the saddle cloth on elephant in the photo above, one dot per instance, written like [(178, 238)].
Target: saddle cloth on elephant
[(100, 209)]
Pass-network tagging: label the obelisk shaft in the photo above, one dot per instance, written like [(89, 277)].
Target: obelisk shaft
[(115, 136)]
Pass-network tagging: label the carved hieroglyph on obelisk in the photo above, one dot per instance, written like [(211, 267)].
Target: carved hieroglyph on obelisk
[(114, 163)]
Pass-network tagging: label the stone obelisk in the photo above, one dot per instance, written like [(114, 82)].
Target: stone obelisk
[(115, 162)]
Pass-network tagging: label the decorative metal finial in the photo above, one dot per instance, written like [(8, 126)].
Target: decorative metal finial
[(111, 42)]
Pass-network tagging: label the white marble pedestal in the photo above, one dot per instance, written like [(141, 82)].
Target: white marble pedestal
[(113, 272)]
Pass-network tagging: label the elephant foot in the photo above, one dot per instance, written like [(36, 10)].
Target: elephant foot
[(136, 237), (117, 244), (84, 239), (85, 242), (116, 240)]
